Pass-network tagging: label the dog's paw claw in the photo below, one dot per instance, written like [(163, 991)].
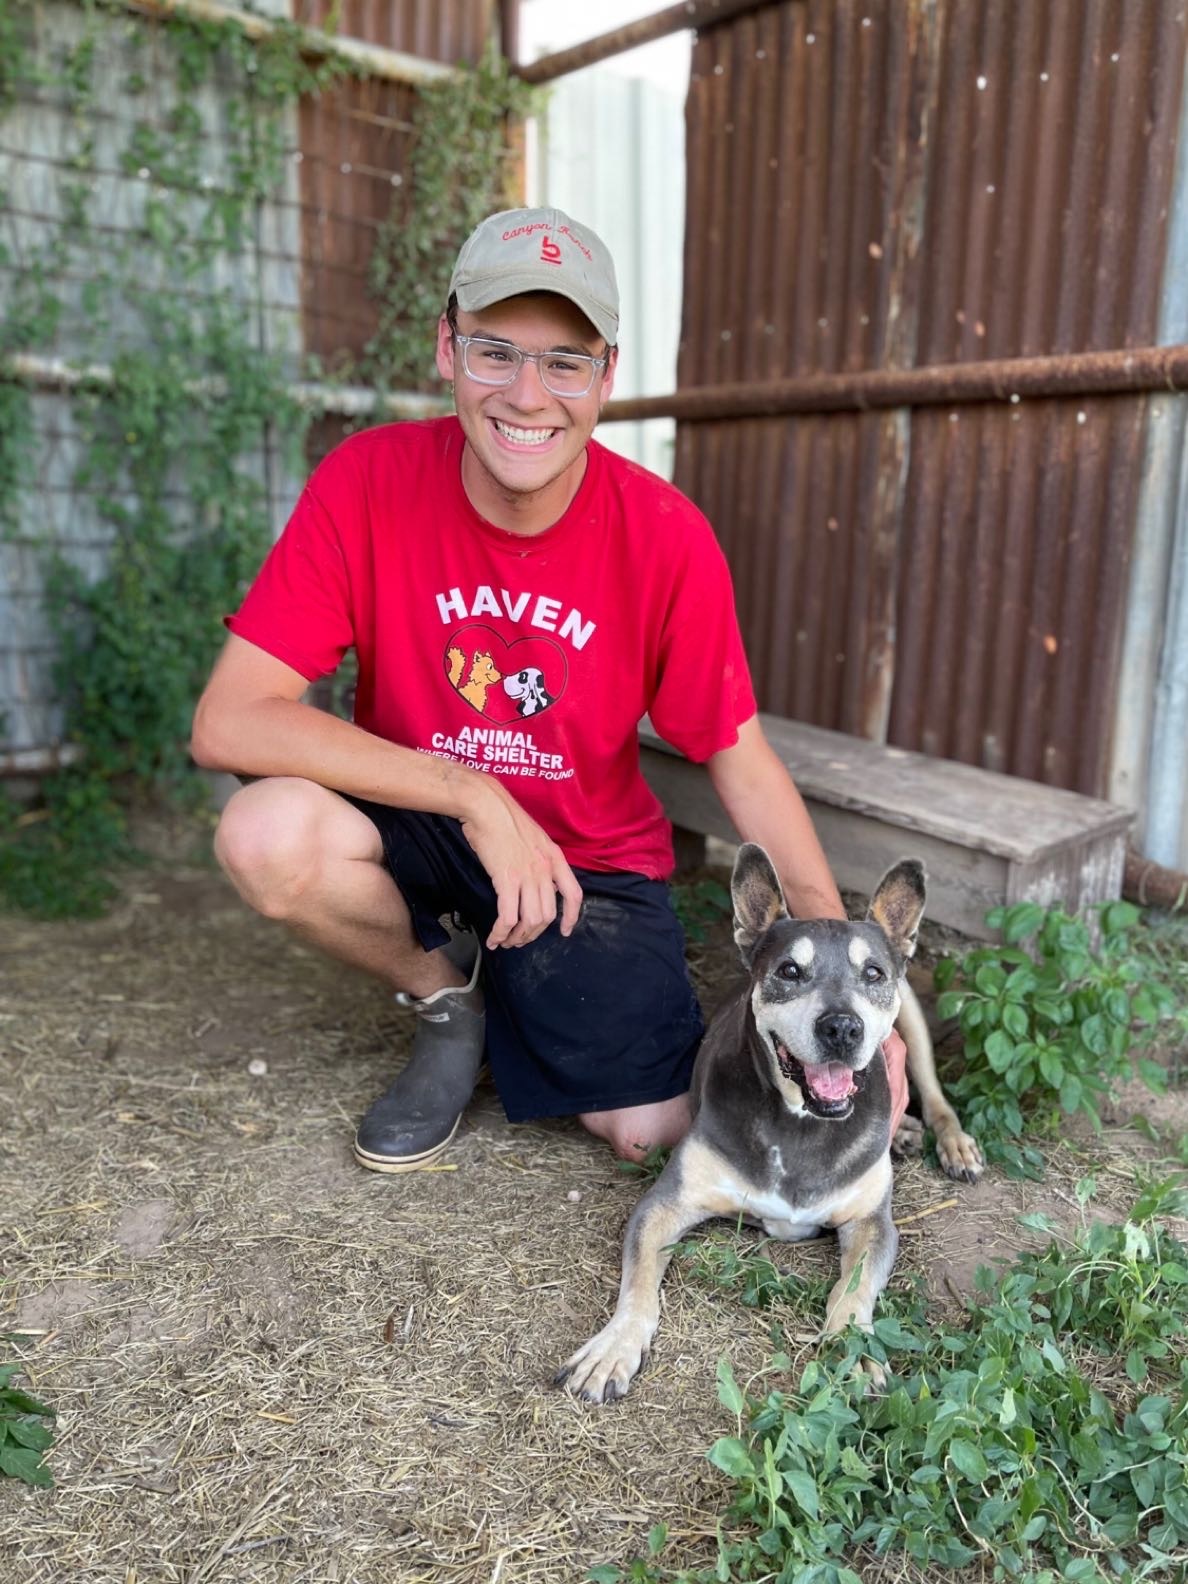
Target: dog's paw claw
[(875, 1375), (961, 1158), (602, 1370)]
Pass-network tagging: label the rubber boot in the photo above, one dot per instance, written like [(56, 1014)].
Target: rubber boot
[(417, 1116)]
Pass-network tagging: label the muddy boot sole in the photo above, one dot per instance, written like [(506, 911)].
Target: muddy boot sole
[(384, 1163)]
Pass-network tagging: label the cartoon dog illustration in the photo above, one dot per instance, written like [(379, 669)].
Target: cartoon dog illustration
[(482, 675), (528, 689)]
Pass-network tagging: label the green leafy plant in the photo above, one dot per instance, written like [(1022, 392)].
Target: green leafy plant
[(15, 65), (463, 167), (700, 905), (749, 1274), (169, 443), (55, 860), (24, 1438), (995, 1443), (178, 443), (1050, 1020), (648, 1169)]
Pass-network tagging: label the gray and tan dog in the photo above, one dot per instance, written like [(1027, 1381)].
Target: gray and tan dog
[(791, 1110)]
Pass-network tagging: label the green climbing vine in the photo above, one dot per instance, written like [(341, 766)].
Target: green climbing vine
[(463, 167), (176, 441)]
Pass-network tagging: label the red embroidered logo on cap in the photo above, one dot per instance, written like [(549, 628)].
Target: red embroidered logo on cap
[(550, 253)]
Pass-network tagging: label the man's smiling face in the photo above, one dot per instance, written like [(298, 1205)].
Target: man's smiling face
[(525, 448)]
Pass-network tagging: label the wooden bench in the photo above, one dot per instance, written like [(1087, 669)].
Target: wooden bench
[(985, 838)]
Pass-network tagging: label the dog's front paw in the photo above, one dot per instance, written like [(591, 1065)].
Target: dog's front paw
[(875, 1374), (959, 1155), (602, 1371), (909, 1137)]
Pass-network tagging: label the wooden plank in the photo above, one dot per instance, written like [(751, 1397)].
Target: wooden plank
[(1019, 820), (963, 883), (1076, 858)]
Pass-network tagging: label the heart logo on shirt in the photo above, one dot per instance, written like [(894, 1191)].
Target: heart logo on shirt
[(504, 681)]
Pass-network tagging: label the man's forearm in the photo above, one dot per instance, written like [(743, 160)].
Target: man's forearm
[(764, 806), (283, 737), (783, 828)]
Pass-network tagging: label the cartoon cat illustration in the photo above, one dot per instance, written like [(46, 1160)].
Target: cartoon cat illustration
[(482, 675)]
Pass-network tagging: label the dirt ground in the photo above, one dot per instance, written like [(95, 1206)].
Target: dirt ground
[(270, 1365)]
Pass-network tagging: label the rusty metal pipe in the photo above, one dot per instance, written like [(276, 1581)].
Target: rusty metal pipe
[(1004, 379), (38, 761), (1151, 885), (673, 19), (373, 59)]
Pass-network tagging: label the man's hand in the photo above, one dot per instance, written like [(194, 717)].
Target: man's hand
[(528, 871), (896, 1053)]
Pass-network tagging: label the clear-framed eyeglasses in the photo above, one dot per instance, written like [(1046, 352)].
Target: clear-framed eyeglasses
[(499, 363)]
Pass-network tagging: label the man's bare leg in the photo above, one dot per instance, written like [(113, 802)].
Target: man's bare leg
[(303, 855), (634, 1130)]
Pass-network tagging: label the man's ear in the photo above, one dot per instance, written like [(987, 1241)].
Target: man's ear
[(445, 349), (608, 376), (758, 899)]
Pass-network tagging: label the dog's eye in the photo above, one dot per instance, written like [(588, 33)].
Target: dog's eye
[(789, 970), (872, 973)]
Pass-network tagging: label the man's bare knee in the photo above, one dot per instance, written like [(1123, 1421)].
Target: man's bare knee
[(272, 842)]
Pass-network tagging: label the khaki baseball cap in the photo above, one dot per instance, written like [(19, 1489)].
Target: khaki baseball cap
[(532, 250)]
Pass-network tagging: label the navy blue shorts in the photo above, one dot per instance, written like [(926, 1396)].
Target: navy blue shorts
[(603, 1019)]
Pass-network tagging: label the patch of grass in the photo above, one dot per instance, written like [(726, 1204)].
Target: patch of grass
[(1164, 943), (648, 1169), (1050, 1021), (1047, 1437), (57, 861), (750, 1275), (24, 1439)]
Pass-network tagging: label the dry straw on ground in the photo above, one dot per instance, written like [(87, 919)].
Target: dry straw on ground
[(270, 1365)]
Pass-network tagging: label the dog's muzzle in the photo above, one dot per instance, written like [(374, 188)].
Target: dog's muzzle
[(828, 1088)]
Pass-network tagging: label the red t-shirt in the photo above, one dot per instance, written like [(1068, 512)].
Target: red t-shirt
[(528, 658)]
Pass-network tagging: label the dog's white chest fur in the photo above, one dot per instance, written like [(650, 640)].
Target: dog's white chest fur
[(730, 1195), (774, 1214)]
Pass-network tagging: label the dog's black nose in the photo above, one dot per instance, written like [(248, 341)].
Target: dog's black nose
[(838, 1032)]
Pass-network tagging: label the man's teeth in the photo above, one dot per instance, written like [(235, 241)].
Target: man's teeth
[(523, 436)]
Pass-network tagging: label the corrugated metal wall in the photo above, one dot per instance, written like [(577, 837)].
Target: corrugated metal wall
[(897, 183), (355, 151)]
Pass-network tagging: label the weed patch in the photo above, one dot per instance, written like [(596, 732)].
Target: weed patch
[(648, 1169), (996, 1441), (1049, 1026), (700, 904), (24, 1438)]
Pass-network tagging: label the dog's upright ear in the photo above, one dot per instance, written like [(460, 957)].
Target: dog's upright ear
[(758, 899), (898, 904)]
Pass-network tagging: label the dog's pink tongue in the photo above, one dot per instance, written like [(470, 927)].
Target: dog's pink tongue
[(830, 1080)]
